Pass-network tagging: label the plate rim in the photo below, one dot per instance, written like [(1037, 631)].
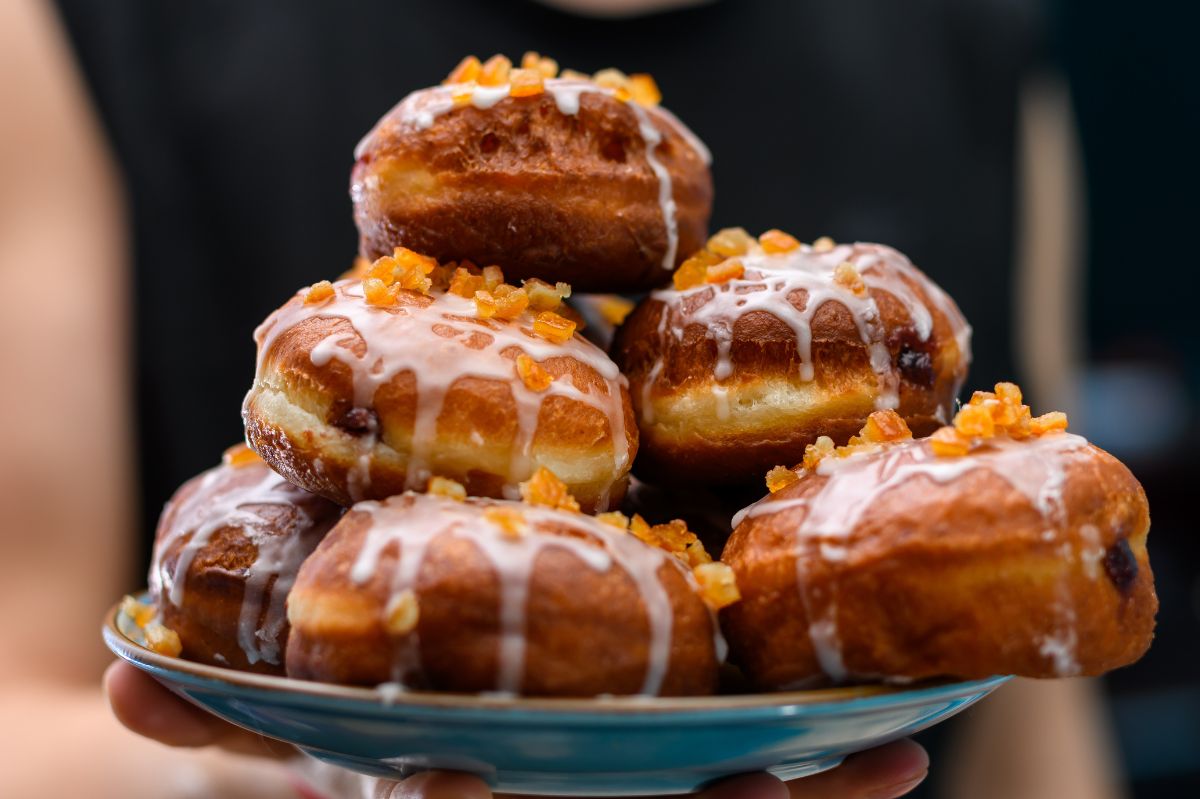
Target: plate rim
[(847, 700)]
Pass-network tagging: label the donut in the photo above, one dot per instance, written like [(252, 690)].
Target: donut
[(367, 387), (1000, 545), (228, 546), (581, 179), (761, 346), (440, 592)]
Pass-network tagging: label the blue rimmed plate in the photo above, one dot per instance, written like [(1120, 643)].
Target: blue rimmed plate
[(618, 746)]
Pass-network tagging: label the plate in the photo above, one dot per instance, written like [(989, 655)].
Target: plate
[(619, 746)]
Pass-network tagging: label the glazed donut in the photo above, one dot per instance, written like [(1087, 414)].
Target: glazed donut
[(959, 555), (228, 547), (762, 346), (366, 388), (578, 179), (441, 593)]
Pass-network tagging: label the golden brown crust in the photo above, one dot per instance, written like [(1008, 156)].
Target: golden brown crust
[(302, 417), (539, 192), (586, 631), (214, 592), (769, 413), (962, 578)]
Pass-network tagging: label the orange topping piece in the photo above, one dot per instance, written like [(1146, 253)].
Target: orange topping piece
[(817, 450), (611, 79), (724, 272), (885, 425), (824, 244), (730, 241), (467, 70), (975, 421), (574, 74), (318, 292), (139, 613), (445, 487), (548, 67), (553, 327), (532, 374), (674, 538), (780, 478), (464, 283), (544, 488), (691, 273), (485, 304), (614, 308), (845, 275), (402, 613), (163, 640), (492, 276), (614, 518), (543, 296), (494, 71), (510, 521), (948, 442), (718, 584), (776, 241), (511, 301), (525, 83), (644, 90), (239, 455), (1048, 422), (378, 293)]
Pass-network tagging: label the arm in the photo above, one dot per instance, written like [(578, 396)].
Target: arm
[(65, 473)]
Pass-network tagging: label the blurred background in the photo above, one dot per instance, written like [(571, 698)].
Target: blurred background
[(1035, 158)]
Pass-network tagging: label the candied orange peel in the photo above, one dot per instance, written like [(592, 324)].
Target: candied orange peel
[(882, 427), (553, 327), (614, 308), (140, 613), (719, 260), (990, 414), (526, 83), (529, 78), (239, 455), (718, 584), (509, 521), (544, 488), (673, 537), (776, 241), (533, 374), (445, 487), (823, 244), (318, 292), (733, 269), (402, 613), (163, 640), (780, 478), (846, 275)]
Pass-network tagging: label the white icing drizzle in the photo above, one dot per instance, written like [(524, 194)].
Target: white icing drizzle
[(421, 109), (439, 340), (1035, 467), (414, 521), (768, 285), (273, 515)]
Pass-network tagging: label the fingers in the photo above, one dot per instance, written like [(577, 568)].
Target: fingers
[(435, 785), (147, 708), (747, 786), (889, 771)]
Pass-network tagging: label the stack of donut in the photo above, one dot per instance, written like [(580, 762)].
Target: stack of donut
[(435, 487)]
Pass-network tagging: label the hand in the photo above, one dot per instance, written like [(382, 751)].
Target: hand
[(149, 709)]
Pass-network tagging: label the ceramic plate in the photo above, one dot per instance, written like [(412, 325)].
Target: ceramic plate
[(617, 746)]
